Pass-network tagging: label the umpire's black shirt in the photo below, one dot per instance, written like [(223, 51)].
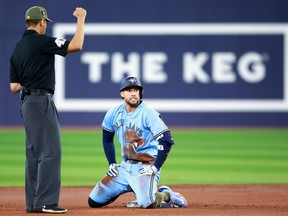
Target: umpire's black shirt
[(32, 61)]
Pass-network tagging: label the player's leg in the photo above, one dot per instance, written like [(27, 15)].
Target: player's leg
[(144, 187), (108, 190)]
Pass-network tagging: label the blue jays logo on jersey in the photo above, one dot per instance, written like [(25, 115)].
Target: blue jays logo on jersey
[(136, 143), (133, 139)]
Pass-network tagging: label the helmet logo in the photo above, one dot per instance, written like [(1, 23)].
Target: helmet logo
[(132, 81)]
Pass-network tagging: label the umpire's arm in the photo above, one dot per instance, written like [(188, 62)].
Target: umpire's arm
[(77, 41)]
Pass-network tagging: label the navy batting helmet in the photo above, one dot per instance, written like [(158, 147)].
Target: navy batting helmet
[(131, 82)]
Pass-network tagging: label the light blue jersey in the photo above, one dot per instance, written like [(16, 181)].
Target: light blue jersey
[(137, 131)]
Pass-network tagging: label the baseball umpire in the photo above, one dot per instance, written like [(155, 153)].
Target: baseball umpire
[(145, 143), (32, 72)]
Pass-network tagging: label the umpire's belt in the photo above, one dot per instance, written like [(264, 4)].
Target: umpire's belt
[(136, 161), (41, 92)]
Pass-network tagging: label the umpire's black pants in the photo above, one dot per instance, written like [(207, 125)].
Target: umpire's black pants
[(43, 150)]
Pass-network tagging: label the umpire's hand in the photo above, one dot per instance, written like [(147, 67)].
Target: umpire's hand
[(80, 12)]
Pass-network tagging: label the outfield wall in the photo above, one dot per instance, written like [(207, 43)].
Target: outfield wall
[(201, 62)]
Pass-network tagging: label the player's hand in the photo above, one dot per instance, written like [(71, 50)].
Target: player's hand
[(80, 12), (147, 169), (112, 170)]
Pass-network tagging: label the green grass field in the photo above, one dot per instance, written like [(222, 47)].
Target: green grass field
[(218, 156)]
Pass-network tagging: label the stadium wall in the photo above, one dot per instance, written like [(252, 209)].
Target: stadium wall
[(201, 62)]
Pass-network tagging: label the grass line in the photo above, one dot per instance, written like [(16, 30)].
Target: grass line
[(198, 157)]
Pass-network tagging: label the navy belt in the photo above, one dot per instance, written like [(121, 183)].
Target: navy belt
[(136, 161)]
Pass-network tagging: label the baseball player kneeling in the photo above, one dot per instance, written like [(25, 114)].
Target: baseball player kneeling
[(145, 143)]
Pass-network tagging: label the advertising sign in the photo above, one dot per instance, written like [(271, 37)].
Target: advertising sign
[(208, 67)]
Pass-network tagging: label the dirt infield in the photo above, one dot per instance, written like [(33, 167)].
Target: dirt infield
[(202, 199)]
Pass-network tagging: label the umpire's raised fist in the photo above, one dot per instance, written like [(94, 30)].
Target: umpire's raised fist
[(79, 12)]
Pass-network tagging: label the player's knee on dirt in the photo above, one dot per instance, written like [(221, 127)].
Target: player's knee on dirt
[(94, 204)]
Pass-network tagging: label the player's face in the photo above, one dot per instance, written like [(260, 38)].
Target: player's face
[(131, 96)]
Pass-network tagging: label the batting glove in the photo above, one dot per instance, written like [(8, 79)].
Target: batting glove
[(112, 170), (147, 170)]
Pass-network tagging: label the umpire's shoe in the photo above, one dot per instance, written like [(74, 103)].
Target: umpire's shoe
[(176, 198), (52, 209)]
